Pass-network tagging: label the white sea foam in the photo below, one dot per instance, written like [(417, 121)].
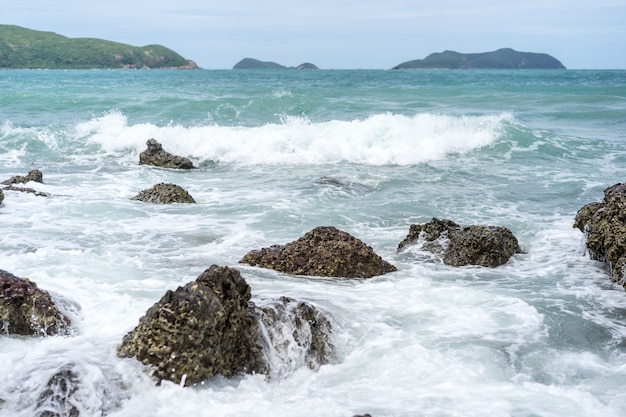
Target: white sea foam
[(382, 139)]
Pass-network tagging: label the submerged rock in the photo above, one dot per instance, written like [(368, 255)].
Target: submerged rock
[(297, 333), (164, 194), (604, 226), (202, 329), (324, 251), (26, 309), (155, 155), (1, 196), (33, 175), (488, 246), (57, 399)]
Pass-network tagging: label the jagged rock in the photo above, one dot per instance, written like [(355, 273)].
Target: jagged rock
[(604, 226), (488, 246), (324, 251), (26, 309), (155, 155), (200, 330), (164, 194), (26, 190), (297, 332), (33, 175)]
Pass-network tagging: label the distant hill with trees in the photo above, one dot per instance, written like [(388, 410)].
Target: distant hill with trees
[(22, 48), (251, 63), (505, 58)]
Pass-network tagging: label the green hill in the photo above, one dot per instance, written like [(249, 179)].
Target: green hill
[(27, 48), (251, 63), (501, 59)]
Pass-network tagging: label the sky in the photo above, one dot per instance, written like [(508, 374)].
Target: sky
[(340, 34)]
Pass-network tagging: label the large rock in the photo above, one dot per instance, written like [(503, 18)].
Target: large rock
[(155, 155), (26, 309), (164, 194), (604, 226), (202, 329), (324, 251), (33, 175), (488, 246)]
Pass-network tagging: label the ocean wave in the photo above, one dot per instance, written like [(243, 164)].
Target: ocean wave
[(381, 139)]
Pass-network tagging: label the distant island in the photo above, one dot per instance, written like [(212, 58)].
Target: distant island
[(505, 58), (251, 63), (22, 48)]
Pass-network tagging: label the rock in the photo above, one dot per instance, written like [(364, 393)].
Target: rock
[(297, 333), (604, 226), (164, 194), (201, 330), (1, 196), (26, 190), (27, 310), (57, 400), (488, 246), (33, 175), (324, 251), (155, 155)]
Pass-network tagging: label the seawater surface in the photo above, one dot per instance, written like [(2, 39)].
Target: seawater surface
[(281, 152)]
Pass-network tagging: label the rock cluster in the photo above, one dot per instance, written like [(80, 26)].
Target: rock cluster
[(33, 175), (164, 194), (155, 155), (25, 309), (488, 246), (604, 226), (324, 251)]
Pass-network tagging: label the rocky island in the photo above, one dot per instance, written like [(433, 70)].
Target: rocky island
[(251, 63), (505, 58), (22, 48)]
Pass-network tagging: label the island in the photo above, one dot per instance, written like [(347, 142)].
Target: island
[(22, 48), (505, 58), (251, 63)]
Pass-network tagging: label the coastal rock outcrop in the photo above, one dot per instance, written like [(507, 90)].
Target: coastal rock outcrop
[(25, 309), (604, 226), (33, 175), (488, 246), (156, 156), (324, 251), (164, 193), (202, 329)]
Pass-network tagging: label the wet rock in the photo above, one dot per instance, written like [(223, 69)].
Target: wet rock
[(164, 194), (155, 155), (198, 331), (26, 190), (26, 309), (57, 399), (33, 175), (604, 226), (488, 246), (324, 251), (297, 334), (1, 196)]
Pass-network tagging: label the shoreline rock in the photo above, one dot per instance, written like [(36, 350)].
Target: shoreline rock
[(605, 231), (27, 310), (33, 175), (164, 193), (156, 156), (325, 252), (488, 246)]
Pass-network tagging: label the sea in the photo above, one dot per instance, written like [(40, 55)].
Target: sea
[(280, 152)]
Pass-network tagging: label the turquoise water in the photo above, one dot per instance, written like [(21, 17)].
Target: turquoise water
[(540, 336)]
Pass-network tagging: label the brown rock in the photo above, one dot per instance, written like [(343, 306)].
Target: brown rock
[(155, 155), (324, 251), (164, 194), (33, 175)]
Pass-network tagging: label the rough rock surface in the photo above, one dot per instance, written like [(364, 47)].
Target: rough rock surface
[(57, 399), (200, 330), (33, 175), (164, 194), (488, 246), (604, 225), (297, 332), (27, 310), (324, 251), (155, 155)]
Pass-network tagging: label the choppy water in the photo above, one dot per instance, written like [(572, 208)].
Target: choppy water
[(540, 336)]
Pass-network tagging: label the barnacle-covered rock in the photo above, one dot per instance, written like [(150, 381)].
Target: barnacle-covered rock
[(164, 193)]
